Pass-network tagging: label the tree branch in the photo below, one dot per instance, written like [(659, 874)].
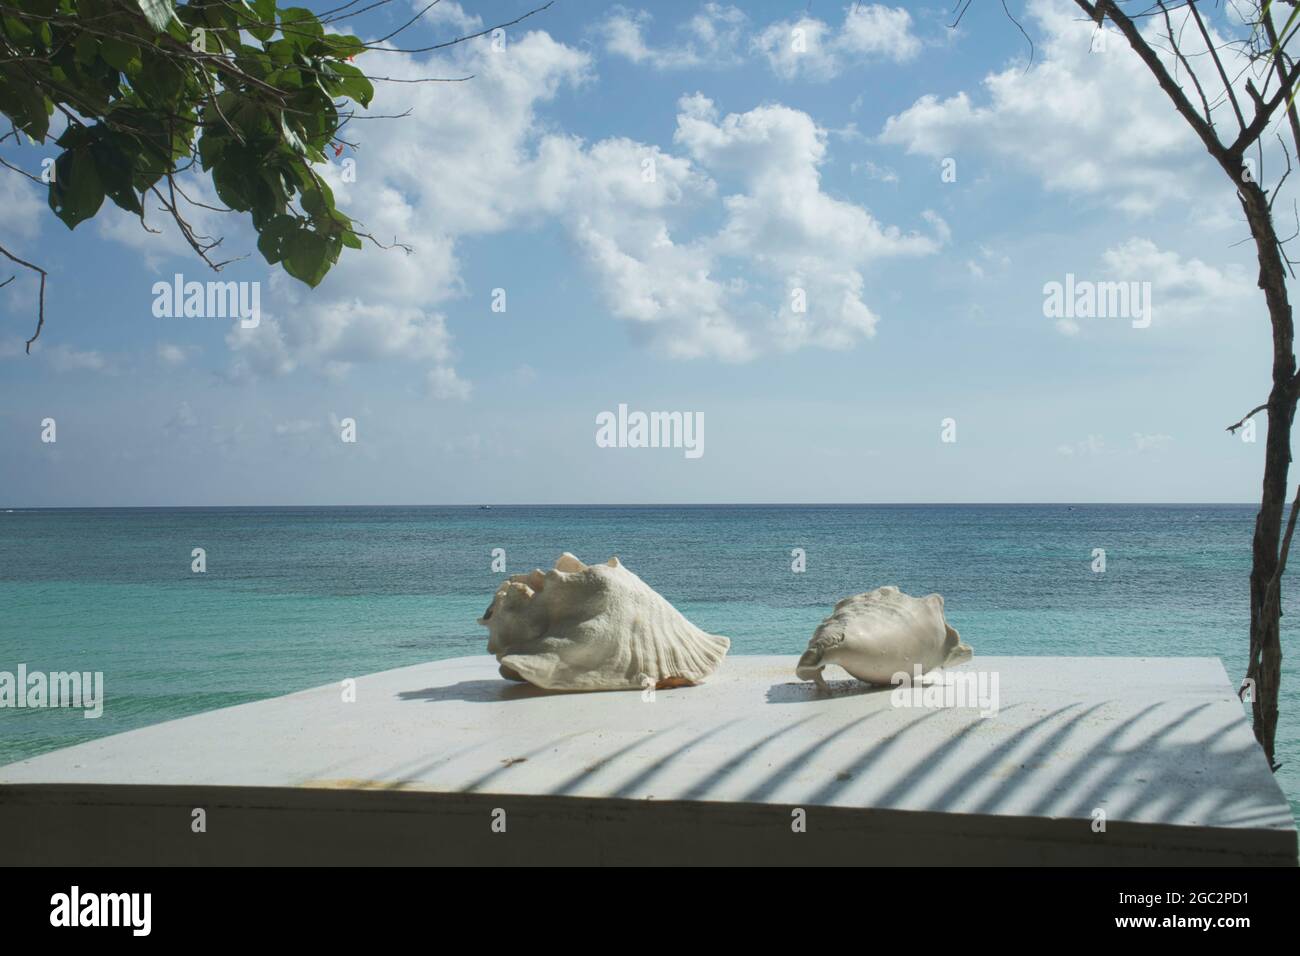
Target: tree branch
[(40, 311), (1232, 429), (1272, 596), (1202, 128), (1218, 65)]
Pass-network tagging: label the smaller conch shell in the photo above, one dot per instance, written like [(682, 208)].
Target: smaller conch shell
[(594, 627), (880, 634)]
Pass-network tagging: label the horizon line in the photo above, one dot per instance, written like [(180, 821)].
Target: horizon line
[(655, 504)]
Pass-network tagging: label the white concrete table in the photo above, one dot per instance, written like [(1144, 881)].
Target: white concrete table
[(431, 762)]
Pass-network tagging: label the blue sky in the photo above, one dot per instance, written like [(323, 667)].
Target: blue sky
[(775, 170)]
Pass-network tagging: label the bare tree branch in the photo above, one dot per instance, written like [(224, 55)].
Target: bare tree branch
[(1232, 429), (40, 308)]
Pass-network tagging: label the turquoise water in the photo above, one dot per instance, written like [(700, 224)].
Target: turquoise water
[(297, 597)]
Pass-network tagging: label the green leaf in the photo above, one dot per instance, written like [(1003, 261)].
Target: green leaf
[(15, 29), (76, 192), (353, 83), (120, 54), (232, 179), (270, 242), (211, 144), (344, 45), (308, 257), (317, 199), (113, 164), (159, 13), (262, 23), (286, 78), (160, 79), (281, 51), (86, 48), (292, 138), (25, 105), (146, 108), (300, 27)]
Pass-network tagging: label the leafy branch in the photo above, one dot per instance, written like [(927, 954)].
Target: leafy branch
[(252, 93)]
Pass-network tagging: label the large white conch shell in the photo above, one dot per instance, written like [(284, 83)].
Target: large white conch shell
[(881, 633), (594, 627)]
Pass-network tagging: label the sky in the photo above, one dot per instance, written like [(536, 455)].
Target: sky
[(823, 230)]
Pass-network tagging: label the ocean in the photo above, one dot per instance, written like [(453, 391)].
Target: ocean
[(297, 597)]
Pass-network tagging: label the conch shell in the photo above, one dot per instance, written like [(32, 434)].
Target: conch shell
[(881, 633), (594, 627)]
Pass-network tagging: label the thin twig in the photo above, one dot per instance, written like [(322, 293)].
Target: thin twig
[(40, 309), (1232, 429)]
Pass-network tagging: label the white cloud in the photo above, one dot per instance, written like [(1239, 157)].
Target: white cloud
[(812, 49), (462, 164), (784, 223), (174, 355), (1180, 289), (301, 426), (1090, 446), (717, 28), (1095, 445), (1181, 286), (940, 225), (711, 38), (627, 206), (64, 358), (23, 203), (446, 384), (475, 159), (798, 48), (731, 293), (876, 31), (332, 335), (988, 260), (1083, 122), (873, 171), (1144, 443), (448, 13), (199, 204)]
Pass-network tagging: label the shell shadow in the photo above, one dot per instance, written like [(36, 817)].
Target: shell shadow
[(480, 692), (804, 691)]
